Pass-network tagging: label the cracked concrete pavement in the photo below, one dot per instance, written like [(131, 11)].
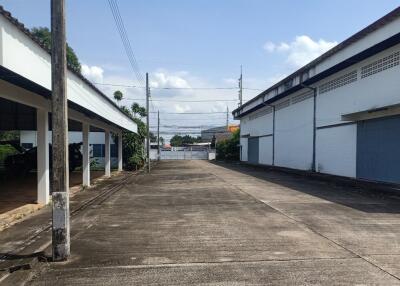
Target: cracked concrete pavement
[(199, 223)]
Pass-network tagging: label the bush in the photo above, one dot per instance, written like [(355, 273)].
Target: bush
[(136, 161), (5, 151), (229, 149)]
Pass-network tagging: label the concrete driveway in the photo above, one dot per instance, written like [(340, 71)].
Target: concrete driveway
[(198, 223)]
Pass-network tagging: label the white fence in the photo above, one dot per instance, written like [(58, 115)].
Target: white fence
[(187, 154)]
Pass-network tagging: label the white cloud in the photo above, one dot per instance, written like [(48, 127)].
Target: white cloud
[(301, 50), (163, 78), (174, 100), (181, 108), (93, 73)]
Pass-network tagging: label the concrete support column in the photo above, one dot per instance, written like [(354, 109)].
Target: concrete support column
[(85, 155), (43, 172), (120, 151), (107, 159)]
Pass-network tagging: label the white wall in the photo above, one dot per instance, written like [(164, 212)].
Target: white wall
[(20, 53), (256, 127), (73, 137), (378, 90), (28, 137), (265, 150), (336, 150), (294, 135), (259, 126)]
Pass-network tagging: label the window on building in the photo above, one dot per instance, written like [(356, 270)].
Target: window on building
[(98, 150), (113, 150)]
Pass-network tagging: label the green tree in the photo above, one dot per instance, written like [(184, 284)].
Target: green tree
[(118, 96), (229, 149), (178, 140), (138, 110), (153, 138), (9, 135), (43, 34), (133, 143)]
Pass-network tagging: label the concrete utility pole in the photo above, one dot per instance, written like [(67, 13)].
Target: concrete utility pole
[(227, 118), (60, 188), (241, 87), (158, 134), (148, 122)]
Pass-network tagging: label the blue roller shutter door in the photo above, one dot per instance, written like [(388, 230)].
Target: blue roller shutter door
[(378, 149), (253, 150)]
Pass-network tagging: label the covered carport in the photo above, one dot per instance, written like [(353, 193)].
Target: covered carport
[(25, 102)]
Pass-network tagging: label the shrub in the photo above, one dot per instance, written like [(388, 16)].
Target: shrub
[(229, 149)]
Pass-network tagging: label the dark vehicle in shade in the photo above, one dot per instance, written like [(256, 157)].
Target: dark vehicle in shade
[(24, 162)]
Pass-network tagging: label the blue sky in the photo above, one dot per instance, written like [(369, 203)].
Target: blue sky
[(203, 43)]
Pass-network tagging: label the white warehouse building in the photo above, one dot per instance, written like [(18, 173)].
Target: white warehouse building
[(338, 115)]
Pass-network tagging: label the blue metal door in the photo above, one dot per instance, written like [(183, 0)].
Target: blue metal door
[(378, 149), (252, 150)]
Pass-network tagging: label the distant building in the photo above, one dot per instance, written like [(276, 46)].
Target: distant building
[(220, 133)]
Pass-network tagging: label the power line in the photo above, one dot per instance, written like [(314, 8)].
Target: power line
[(176, 133), (177, 88), (187, 127), (125, 40), (178, 100), (194, 119), (190, 113)]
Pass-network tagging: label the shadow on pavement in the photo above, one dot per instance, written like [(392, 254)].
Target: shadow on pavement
[(363, 199)]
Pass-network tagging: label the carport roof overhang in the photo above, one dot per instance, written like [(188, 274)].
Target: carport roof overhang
[(26, 64), (80, 113), (377, 112)]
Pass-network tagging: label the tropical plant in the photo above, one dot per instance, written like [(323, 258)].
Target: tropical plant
[(133, 143), (43, 34), (118, 95), (138, 110)]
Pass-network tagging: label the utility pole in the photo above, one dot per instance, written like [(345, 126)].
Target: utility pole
[(148, 122), (59, 109), (158, 134), (241, 87), (227, 118)]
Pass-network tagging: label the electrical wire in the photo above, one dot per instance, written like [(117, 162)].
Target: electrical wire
[(125, 40), (177, 88), (191, 113), (178, 100)]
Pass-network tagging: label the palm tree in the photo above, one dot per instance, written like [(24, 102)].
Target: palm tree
[(142, 112), (118, 96), (135, 108)]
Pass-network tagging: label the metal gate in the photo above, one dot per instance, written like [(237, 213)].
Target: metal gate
[(253, 150), (378, 152), (184, 154)]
